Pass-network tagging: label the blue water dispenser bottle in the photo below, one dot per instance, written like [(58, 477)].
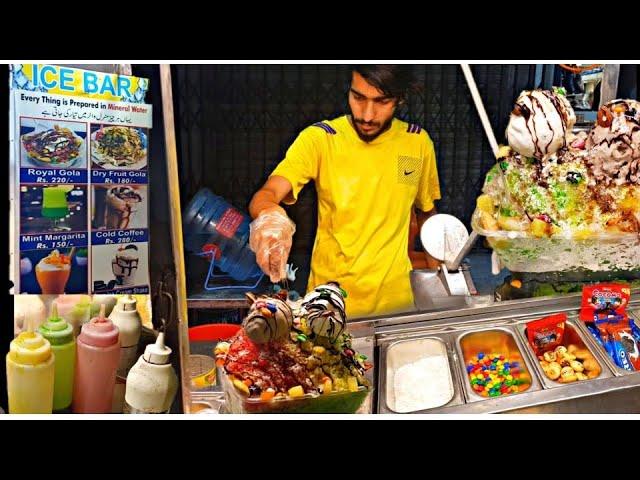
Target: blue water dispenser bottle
[(214, 229)]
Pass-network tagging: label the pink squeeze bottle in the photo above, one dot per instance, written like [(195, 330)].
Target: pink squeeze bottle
[(97, 357)]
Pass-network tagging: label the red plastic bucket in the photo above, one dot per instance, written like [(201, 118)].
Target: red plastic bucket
[(213, 332)]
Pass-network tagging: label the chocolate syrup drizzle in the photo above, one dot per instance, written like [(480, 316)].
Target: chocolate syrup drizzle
[(524, 111), (269, 325), (622, 139)]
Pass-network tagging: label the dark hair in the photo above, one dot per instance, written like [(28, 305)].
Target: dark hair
[(394, 81)]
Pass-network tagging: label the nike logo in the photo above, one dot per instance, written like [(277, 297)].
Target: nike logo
[(408, 173)]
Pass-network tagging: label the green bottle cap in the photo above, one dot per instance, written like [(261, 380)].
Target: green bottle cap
[(56, 329)]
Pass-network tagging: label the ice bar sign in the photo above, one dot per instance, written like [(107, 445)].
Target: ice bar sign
[(79, 181)]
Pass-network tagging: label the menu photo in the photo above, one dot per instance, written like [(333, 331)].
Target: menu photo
[(54, 271), (120, 268), (119, 207)]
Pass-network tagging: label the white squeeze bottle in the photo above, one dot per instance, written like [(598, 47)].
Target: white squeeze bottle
[(152, 383), (125, 316)]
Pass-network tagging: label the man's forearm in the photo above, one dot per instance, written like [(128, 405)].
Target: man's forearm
[(268, 198), (263, 200), (422, 217)]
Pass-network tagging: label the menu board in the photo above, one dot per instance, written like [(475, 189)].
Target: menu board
[(79, 155)]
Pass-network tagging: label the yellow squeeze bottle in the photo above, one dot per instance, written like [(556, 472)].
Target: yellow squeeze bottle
[(30, 373)]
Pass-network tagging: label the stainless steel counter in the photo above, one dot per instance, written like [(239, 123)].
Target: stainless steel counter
[(613, 392)]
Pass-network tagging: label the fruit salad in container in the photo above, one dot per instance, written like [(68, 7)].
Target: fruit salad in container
[(556, 200), (294, 358)]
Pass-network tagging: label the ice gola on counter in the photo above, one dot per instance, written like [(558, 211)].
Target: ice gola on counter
[(604, 313), (291, 350), (551, 182)]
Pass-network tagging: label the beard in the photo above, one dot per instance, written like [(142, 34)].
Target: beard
[(369, 137)]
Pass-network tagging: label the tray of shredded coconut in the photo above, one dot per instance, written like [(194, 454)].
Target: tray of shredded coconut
[(419, 376)]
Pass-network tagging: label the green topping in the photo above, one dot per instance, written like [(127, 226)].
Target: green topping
[(560, 196), (560, 91), (507, 212)]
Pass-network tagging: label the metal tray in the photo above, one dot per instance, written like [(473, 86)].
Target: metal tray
[(500, 339), (400, 354), (572, 335), (618, 372)]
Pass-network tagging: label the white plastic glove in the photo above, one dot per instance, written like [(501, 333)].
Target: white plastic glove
[(271, 235)]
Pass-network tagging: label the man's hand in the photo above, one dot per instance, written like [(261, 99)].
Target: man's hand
[(271, 235)]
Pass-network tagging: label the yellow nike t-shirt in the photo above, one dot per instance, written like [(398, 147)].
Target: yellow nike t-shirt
[(365, 195)]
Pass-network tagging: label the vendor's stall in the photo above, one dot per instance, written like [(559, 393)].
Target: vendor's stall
[(559, 212), (444, 360)]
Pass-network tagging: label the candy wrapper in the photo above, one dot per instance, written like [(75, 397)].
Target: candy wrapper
[(634, 330), (547, 333), (601, 323), (625, 344), (595, 333), (620, 337), (604, 298)]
